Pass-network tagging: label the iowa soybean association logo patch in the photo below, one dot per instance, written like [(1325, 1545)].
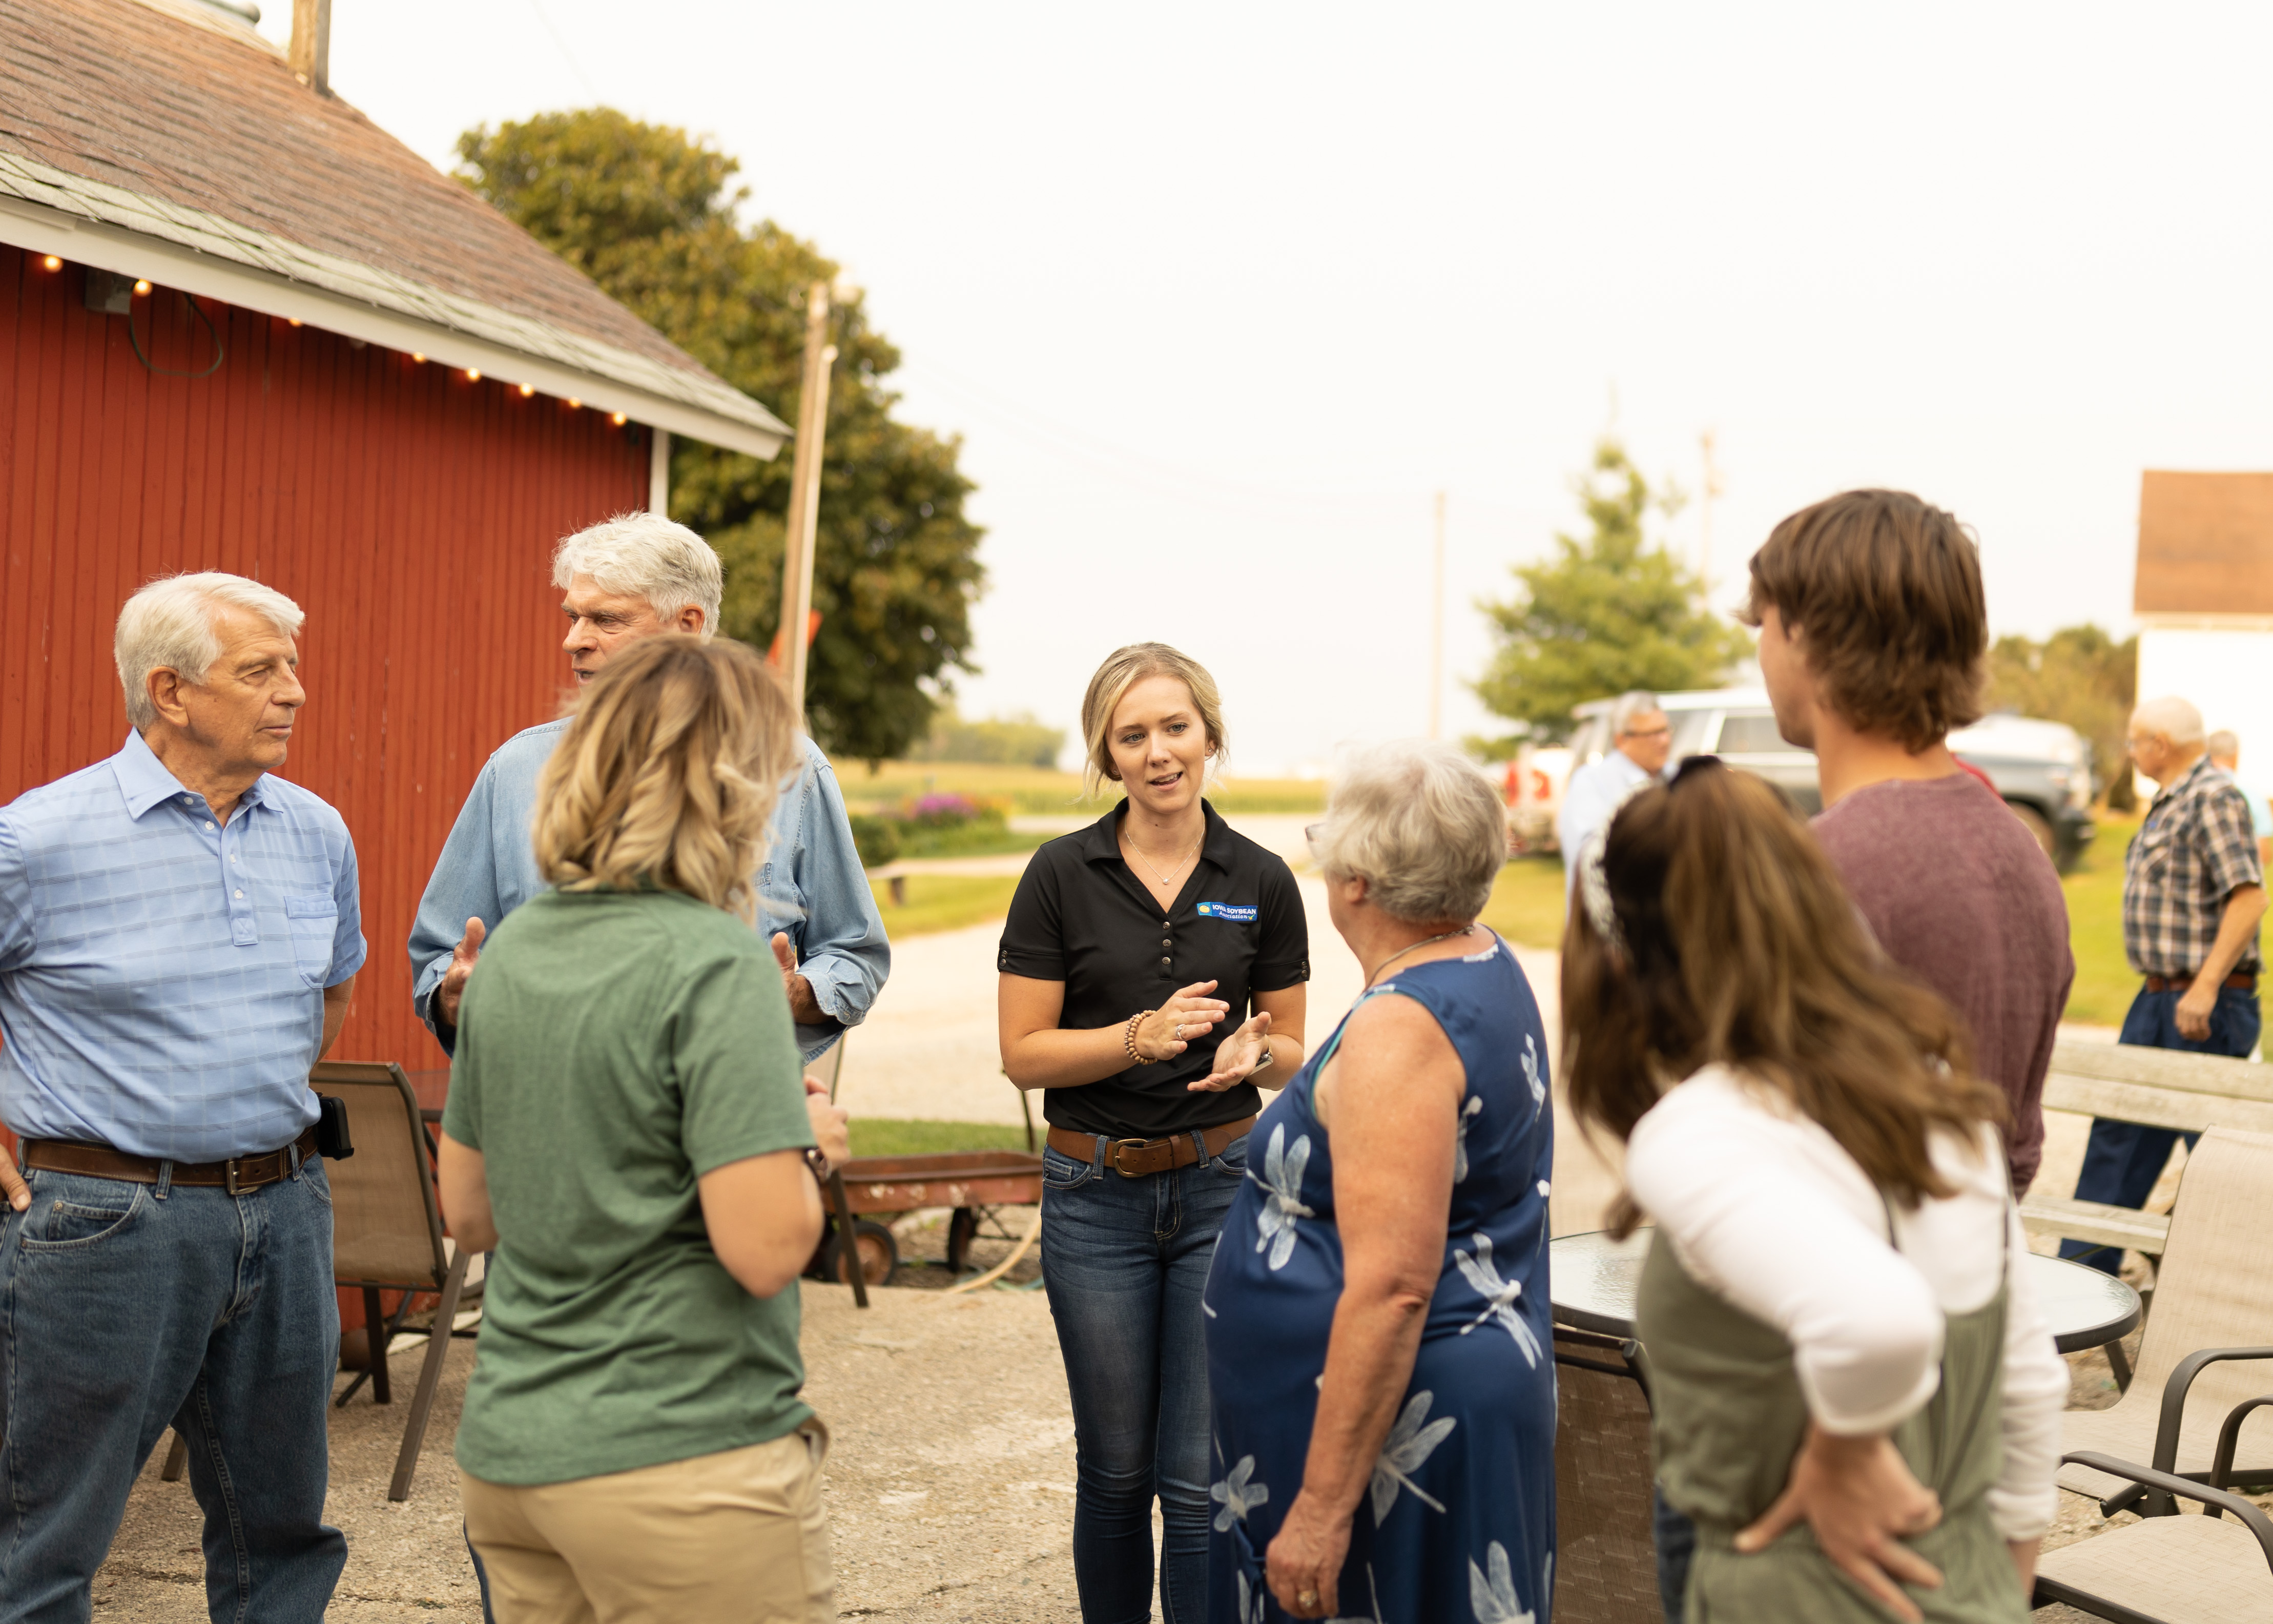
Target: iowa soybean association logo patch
[(1224, 910)]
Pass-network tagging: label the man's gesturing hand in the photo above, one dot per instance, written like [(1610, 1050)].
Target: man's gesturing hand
[(831, 1123), (462, 957), (804, 1008), (1859, 1497)]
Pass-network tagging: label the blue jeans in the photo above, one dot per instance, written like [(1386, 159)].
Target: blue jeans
[(1125, 1260), (1676, 1538), (2123, 1160), (128, 1308)]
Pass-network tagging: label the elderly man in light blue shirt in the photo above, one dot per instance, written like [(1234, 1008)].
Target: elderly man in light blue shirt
[(1640, 739), (629, 578), (179, 936)]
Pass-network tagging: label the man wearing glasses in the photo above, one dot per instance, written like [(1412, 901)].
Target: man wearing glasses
[(1640, 739)]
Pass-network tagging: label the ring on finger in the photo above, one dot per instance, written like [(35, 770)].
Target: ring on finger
[(1178, 1035), (1306, 1599)]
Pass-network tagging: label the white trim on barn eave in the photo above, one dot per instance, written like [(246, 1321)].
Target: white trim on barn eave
[(44, 211), (2168, 621)]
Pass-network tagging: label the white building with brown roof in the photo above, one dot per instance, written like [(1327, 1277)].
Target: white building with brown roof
[(2204, 599)]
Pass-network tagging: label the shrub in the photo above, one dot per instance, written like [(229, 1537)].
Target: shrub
[(876, 839)]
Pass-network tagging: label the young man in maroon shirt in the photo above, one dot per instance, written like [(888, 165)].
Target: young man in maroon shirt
[(1873, 632)]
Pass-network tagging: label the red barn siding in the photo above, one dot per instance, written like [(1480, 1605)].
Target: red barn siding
[(411, 512)]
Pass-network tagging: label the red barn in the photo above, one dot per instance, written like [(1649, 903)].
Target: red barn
[(243, 328)]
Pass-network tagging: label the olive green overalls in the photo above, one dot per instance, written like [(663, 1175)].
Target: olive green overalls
[(1728, 1419)]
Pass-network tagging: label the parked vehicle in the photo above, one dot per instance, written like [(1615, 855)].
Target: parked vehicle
[(2042, 768)]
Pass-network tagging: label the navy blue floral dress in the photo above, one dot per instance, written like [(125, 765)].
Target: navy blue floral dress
[(1459, 1522)]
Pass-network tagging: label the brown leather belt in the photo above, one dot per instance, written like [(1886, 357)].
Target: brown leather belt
[(2172, 983), (1136, 1158), (237, 1176)]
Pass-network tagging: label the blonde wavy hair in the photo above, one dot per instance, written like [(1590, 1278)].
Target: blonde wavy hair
[(1124, 669), (669, 774)]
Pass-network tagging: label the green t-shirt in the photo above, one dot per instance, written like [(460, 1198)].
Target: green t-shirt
[(614, 1048)]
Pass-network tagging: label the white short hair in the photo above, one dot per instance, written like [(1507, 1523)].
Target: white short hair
[(646, 555), (169, 625), (1420, 824), (2224, 745), (1626, 706), (2174, 718)]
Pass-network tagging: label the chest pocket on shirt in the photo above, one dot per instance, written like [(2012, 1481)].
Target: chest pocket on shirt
[(314, 922), (2156, 846)]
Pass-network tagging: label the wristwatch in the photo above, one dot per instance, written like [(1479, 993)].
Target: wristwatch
[(1269, 1059), (818, 1162)]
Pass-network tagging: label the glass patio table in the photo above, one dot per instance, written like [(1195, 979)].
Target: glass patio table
[(1592, 1278)]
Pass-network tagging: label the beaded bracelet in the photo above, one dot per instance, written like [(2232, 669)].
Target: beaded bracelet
[(1128, 1040)]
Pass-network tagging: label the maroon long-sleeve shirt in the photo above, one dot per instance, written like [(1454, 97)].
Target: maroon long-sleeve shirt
[(1961, 897)]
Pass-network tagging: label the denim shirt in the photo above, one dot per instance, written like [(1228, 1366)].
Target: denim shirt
[(162, 973), (811, 884)]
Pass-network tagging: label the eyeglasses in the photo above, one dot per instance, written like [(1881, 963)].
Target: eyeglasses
[(1310, 833), (1662, 731)]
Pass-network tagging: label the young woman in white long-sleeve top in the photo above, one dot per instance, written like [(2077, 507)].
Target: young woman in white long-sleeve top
[(1839, 1335)]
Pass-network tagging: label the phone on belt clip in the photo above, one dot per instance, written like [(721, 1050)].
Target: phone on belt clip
[(333, 1142)]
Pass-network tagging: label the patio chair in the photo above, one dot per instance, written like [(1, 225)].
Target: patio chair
[(1606, 1558), (2199, 1358), (2165, 1570), (386, 1231)]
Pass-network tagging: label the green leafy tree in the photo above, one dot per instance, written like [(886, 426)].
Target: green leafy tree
[(650, 214), (1606, 613), (2080, 675)]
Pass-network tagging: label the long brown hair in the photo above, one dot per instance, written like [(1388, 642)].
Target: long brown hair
[(1736, 944), (669, 774)]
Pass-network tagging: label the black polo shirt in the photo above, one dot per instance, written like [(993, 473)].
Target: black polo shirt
[(1082, 918)]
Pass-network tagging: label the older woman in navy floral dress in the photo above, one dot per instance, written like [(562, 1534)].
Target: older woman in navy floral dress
[(1380, 1375)]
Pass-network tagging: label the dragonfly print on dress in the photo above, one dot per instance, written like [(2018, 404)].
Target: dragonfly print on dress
[(1409, 1444), (1500, 1295), (1237, 1496), (1282, 1177), (1492, 1595), (1461, 1138)]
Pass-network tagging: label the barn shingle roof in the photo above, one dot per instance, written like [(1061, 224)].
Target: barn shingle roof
[(2205, 544), (161, 119)]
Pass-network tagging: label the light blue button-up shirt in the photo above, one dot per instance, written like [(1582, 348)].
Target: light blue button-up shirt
[(1591, 799), (162, 975), (811, 884)]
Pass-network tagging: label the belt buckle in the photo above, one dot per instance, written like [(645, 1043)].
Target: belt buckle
[(229, 1175), (1121, 1145)]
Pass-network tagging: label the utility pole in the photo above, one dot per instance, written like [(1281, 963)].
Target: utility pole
[(1711, 488), (804, 519), (1436, 630)]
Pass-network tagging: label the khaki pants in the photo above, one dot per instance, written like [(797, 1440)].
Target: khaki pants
[(735, 1537)]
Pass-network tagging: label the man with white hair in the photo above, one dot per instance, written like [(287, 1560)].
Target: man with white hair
[(2225, 755), (632, 577), (2193, 892), (1640, 739), (179, 938)]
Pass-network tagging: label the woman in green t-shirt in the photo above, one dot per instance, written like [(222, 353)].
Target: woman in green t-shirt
[(627, 1130)]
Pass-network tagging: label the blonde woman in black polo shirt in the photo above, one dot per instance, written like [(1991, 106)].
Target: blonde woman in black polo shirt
[(1152, 982)]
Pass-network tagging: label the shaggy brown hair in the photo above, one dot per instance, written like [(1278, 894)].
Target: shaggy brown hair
[(1740, 946), (1889, 590), (669, 774)]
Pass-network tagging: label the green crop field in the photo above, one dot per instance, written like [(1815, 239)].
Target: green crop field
[(1042, 790)]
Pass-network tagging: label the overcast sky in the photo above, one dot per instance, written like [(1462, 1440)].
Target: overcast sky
[(1218, 295)]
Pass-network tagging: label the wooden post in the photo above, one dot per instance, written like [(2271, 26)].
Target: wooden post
[(309, 54), (804, 517)]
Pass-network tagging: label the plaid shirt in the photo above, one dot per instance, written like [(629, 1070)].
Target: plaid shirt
[(2194, 851)]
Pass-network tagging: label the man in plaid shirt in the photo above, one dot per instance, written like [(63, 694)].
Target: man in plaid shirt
[(2192, 894)]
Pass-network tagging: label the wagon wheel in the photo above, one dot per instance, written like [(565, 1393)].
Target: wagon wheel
[(878, 1251), (961, 1229)]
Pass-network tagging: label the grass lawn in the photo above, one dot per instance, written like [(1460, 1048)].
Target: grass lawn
[(880, 1136), (1526, 902), (2103, 981), (1044, 790), (944, 901)]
